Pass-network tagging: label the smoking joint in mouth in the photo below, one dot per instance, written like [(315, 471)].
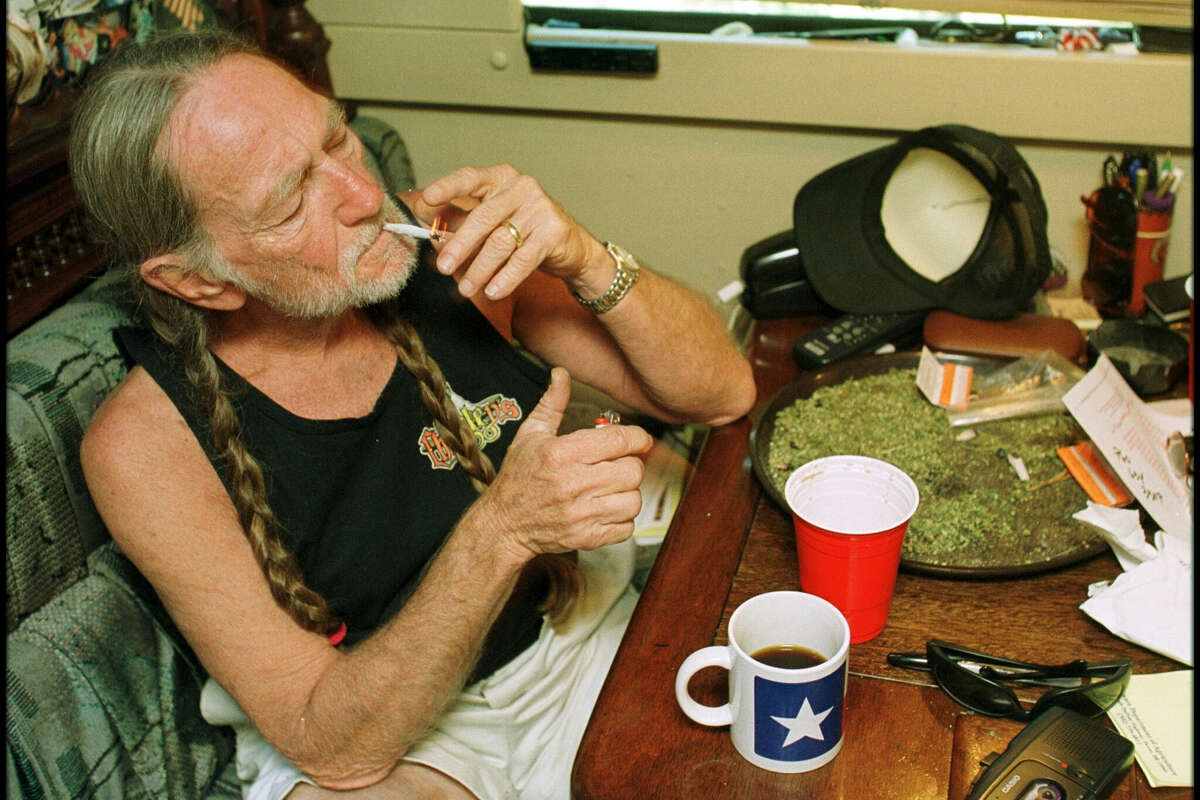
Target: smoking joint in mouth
[(436, 232)]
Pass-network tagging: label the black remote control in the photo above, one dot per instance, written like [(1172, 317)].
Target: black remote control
[(851, 335)]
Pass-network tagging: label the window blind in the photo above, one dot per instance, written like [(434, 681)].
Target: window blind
[(1158, 13)]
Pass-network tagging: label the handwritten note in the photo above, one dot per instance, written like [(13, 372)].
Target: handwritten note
[(1155, 713), (1128, 435)]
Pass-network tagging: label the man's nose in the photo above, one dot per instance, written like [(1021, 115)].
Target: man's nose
[(358, 194)]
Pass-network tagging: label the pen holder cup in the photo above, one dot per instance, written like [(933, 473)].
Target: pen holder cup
[(1127, 248), (1149, 254)]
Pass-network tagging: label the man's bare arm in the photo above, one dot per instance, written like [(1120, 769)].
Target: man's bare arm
[(662, 349), (345, 718)]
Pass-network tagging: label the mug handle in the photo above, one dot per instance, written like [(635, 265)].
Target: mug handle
[(716, 656)]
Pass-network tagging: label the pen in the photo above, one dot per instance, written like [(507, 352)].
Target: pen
[(1139, 183), (1164, 171), (1164, 185)]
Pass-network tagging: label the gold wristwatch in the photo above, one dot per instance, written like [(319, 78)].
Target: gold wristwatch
[(627, 275)]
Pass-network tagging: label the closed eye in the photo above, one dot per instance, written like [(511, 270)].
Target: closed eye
[(342, 140), (294, 214)]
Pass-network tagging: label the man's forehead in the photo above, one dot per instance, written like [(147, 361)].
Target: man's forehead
[(239, 94), (242, 119)]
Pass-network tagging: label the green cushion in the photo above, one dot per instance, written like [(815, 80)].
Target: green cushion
[(104, 700), (58, 372), (387, 155)]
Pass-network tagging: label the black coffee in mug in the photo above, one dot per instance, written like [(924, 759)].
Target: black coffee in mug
[(787, 656)]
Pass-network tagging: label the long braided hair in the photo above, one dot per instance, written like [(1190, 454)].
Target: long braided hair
[(565, 582), (147, 211)]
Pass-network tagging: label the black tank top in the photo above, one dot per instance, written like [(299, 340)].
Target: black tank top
[(366, 502)]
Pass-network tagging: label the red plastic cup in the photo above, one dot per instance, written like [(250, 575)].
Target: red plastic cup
[(850, 515)]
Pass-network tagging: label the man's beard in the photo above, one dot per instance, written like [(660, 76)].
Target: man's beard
[(297, 290)]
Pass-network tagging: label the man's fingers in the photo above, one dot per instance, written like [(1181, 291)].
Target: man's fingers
[(468, 182), (619, 475), (613, 442), (482, 237), (618, 508)]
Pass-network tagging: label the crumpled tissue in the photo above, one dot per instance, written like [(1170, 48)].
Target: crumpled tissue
[(1150, 602)]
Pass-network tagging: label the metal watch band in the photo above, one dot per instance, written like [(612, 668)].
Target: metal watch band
[(627, 275)]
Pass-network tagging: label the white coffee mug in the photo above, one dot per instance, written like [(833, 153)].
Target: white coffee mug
[(784, 719)]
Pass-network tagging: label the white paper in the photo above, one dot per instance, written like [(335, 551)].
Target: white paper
[(1130, 437), (1123, 530), (661, 489), (1150, 604), (1155, 713)]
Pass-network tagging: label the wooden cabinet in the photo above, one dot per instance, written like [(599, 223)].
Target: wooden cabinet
[(49, 254)]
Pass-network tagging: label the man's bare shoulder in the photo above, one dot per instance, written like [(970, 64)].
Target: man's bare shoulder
[(148, 474), (136, 424)]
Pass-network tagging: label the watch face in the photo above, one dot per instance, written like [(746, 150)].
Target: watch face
[(624, 257), (617, 252), (627, 275)]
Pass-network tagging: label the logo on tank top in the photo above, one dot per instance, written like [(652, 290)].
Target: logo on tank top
[(483, 418)]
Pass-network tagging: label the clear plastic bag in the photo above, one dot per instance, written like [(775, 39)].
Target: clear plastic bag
[(1024, 388)]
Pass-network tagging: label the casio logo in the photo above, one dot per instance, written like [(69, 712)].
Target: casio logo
[(1010, 783)]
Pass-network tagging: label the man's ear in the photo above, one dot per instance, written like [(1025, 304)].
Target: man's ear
[(166, 273)]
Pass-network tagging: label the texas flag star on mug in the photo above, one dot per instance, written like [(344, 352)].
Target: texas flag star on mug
[(805, 723), (791, 718)]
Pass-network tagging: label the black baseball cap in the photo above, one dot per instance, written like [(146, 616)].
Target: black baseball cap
[(948, 217)]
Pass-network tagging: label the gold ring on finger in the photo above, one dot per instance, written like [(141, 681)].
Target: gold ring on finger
[(513, 232)]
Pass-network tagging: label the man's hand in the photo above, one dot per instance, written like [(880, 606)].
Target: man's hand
[(560, 493), (485, 253)]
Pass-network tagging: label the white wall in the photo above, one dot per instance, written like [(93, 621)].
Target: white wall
[(690, 166)]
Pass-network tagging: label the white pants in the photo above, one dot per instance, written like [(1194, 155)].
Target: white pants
[(511, 735)]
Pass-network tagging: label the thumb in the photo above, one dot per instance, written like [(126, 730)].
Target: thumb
[(548, 414)]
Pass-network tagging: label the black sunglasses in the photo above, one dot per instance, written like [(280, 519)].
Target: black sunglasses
[(974, 680)]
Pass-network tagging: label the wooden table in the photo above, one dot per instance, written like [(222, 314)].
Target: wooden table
[(904, 738)]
